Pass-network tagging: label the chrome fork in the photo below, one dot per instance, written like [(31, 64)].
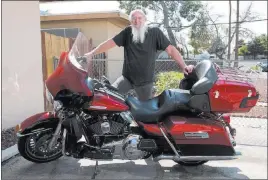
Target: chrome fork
[(56, 135)]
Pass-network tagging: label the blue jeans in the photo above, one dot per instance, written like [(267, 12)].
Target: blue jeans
[(144, 92)]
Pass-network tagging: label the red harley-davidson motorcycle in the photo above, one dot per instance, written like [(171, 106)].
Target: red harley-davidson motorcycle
[(189, 125)]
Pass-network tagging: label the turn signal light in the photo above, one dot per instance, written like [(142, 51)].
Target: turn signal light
[(17, 128)]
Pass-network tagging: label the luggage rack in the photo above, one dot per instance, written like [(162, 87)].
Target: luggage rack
[(235, 74)]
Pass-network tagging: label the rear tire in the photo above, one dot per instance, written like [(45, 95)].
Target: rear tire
[(30, 147), (191, 163)]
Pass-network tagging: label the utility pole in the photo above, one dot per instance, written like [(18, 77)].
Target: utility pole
[(237, 34), (229, 37)]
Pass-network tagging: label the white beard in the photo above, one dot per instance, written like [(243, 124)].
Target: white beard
[(138, 35)]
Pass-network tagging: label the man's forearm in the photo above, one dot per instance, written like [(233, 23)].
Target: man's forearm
[(175, 54), (103, 47), (100, 48)]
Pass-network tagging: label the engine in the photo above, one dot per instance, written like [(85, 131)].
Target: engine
[(108, 124), (132, 146)]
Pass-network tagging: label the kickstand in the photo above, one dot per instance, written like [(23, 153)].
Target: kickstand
[(95, 171)]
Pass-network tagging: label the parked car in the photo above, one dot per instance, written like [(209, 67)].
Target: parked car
[(264, 67)]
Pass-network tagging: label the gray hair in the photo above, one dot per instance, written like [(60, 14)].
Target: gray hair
[(136, 10)]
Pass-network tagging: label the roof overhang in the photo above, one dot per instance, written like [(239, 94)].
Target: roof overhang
[(86, 16)]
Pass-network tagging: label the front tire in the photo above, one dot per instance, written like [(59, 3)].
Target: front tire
[(191, 163), (35, 148)]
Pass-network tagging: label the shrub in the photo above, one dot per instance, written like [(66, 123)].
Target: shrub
[(168, 80), (256, 68)]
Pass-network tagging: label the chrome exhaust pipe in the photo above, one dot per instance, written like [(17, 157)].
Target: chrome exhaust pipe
[(194, 158), (114, 143), (166, 157)]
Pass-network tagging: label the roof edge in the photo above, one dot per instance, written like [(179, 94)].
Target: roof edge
[(81, 16)]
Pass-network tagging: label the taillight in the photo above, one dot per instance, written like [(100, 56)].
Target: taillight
[(249, 102), (226, 118)]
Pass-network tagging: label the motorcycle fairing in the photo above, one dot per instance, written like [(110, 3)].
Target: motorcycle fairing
[(70, 77)]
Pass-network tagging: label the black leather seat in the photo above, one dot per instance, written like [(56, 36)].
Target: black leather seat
[(199, 83), (152, 110)]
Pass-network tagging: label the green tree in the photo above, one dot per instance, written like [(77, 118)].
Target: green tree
[(205, 33), (258, 46), (217, 47), (201, 35), (170, 12), (197, 46), (214, 34), (243, 50)]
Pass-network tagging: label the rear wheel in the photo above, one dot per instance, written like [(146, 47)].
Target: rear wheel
[(35, 147), (191, 163)]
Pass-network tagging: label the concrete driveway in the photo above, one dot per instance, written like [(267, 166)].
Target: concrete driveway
[(251, 165)]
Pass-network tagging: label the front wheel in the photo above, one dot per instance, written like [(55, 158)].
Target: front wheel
[(191, 163), (35, 147)]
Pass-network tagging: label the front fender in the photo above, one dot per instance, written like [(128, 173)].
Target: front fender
[(33, 121)]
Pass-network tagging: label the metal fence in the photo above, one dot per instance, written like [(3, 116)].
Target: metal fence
[(165, 65), (100, 68)]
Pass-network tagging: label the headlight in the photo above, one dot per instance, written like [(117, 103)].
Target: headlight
[(49, 96)]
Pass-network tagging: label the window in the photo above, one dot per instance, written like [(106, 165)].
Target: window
[(63, 32)]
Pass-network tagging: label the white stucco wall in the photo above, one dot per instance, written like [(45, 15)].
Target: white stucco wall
[(115, 55), (95, 29), (22, 86)]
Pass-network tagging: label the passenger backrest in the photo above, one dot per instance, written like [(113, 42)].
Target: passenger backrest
[(206, 77)]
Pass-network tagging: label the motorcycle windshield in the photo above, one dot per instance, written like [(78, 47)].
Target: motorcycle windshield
[(80, 47)]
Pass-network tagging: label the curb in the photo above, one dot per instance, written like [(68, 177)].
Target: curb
[(261, 104), (9, 152), (245, 116)]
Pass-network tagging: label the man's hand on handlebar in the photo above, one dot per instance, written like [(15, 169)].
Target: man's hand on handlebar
[(89, 55)]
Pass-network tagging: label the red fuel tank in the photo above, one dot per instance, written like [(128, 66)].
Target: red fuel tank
[(103, 101)]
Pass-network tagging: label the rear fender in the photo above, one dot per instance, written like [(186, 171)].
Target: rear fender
[(40, 120)]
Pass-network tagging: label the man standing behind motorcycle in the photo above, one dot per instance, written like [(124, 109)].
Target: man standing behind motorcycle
[(140, 44)]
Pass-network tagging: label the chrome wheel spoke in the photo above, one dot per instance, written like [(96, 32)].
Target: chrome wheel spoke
[(37, 146)]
